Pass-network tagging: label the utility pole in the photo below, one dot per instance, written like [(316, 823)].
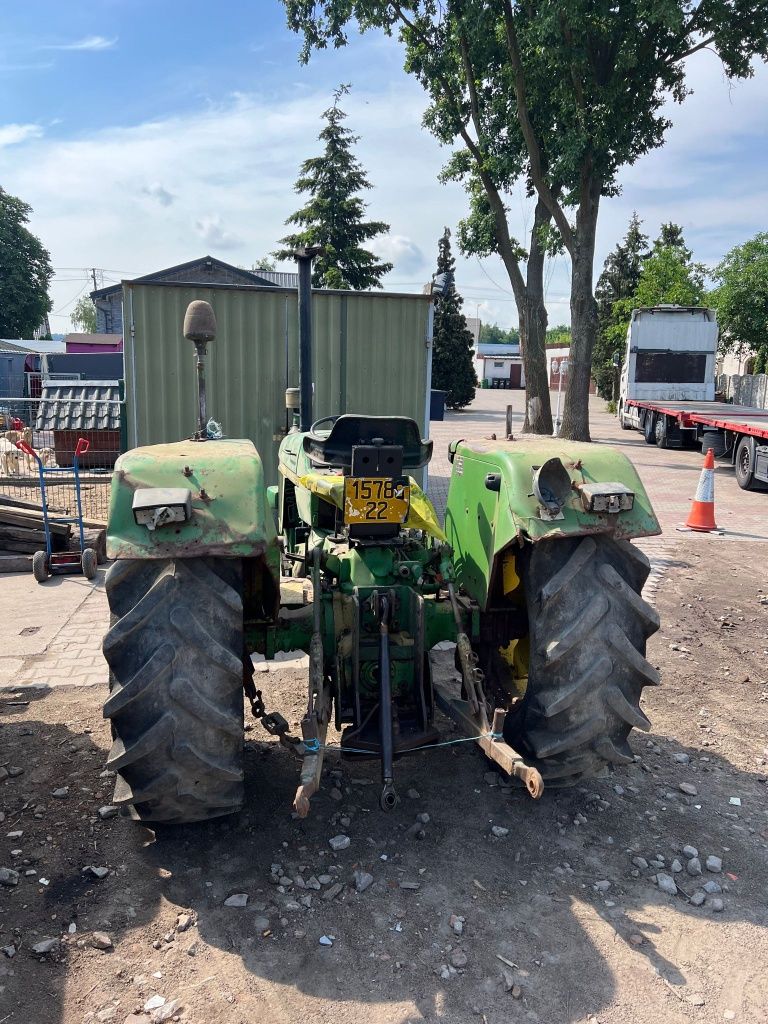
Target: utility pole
[(93, 275)]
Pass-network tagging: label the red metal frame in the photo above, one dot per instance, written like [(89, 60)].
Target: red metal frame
[(689, 419)]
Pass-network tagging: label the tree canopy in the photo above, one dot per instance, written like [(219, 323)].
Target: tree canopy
[(83, 316), (667, 275), (334, 215), (633, 278), (741, 295), (452, 366), (25, 272), (588, 82), (492, 334)]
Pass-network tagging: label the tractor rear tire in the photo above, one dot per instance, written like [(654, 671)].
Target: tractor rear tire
[(588, 628), (175, 650)]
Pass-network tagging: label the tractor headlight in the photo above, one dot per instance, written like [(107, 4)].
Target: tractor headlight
[(160, 506), (606, 497)]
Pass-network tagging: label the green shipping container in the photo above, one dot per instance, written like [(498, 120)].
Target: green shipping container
[(371, 354)]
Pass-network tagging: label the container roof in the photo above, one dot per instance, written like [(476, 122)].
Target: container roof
[(79, 405), (76, 337)]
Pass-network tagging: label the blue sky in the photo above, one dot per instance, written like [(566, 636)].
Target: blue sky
[(145, 134)]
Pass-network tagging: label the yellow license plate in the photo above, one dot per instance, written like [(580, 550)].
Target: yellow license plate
[(370, 500)]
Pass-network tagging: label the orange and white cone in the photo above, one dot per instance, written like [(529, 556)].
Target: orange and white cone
[(702, 514)]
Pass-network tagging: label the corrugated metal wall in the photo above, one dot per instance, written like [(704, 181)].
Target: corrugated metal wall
[(369, 349)]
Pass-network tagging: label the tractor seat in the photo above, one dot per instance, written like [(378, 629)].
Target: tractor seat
[(334, 447)]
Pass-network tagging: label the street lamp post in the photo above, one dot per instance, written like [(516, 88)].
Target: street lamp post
[(561, 369)]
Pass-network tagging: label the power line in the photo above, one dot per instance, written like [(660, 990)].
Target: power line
[(59, 311), (506, 290)]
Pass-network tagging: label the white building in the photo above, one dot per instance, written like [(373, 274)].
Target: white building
[(500, 365)]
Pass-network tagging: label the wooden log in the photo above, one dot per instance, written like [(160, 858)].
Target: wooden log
[(23, 518), (32, 540), (96, 539), (15, 562), (34, 506), (22, 547)]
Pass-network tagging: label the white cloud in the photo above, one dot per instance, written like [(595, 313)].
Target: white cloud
[(157, 191), (13, 134), (400, 250), (230, 169), (92, 43), (9, 69), (212, 232)]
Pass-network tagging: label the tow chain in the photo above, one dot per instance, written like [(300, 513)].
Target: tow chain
[(274, 722)]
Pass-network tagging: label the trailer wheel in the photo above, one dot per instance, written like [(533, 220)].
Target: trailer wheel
[(40, 566), (175, 651), (745, 466), (660, 431), (89, 563), (587, 669), (649, 428)]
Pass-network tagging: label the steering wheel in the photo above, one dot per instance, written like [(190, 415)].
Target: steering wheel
[(323, 419)]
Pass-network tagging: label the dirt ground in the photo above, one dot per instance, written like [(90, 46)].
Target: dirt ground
[(539, 942)]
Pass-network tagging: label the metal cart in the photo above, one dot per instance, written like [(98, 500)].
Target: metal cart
[(49, 562)]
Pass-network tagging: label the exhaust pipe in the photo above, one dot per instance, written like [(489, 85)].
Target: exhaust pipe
[(304, 257), (200, 329)]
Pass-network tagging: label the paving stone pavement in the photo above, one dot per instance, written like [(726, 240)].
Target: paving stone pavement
[(52, 633)]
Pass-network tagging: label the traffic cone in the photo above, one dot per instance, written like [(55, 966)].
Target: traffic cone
[(702, 514)]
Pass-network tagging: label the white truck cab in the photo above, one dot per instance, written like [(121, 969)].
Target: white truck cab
[(670, 356)]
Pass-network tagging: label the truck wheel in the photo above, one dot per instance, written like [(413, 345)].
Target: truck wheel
[(176, 703), (649, 428), (745, 466), (660, 431), (587, 668), (623, 421)]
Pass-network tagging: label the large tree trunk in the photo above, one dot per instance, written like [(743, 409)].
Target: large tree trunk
[(532, 314), (583, 319)]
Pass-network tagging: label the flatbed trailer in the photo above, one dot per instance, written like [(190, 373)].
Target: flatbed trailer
[(736, 432)]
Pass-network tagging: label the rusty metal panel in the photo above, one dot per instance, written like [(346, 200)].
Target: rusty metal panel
[(369, 356)]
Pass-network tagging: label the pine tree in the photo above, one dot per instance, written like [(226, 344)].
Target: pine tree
[(621, 271), (333, 217), (671, 237), (617, 283), (452, 369)]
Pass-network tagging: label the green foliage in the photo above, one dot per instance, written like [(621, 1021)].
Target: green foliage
[(333, 216), (616, 285), (25, 272), (83, 316), (560, 335), (761, 360), (633, 277), (621, 270), (452, 367), (668, 276), (671, 237), (263, 263), (561, 93), (492, 334), (741, 298)]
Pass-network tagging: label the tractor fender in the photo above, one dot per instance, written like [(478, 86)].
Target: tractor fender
[(227, 512), (493, 501)]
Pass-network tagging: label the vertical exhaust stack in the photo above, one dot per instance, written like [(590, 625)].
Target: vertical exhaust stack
[(304, 257), (200, 328)]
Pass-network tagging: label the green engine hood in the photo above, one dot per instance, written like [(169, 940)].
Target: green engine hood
[(230, 517), (481, 523)]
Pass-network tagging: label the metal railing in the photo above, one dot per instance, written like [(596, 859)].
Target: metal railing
[(53, 428)]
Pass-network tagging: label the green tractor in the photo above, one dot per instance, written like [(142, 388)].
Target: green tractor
[(532, 576)]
